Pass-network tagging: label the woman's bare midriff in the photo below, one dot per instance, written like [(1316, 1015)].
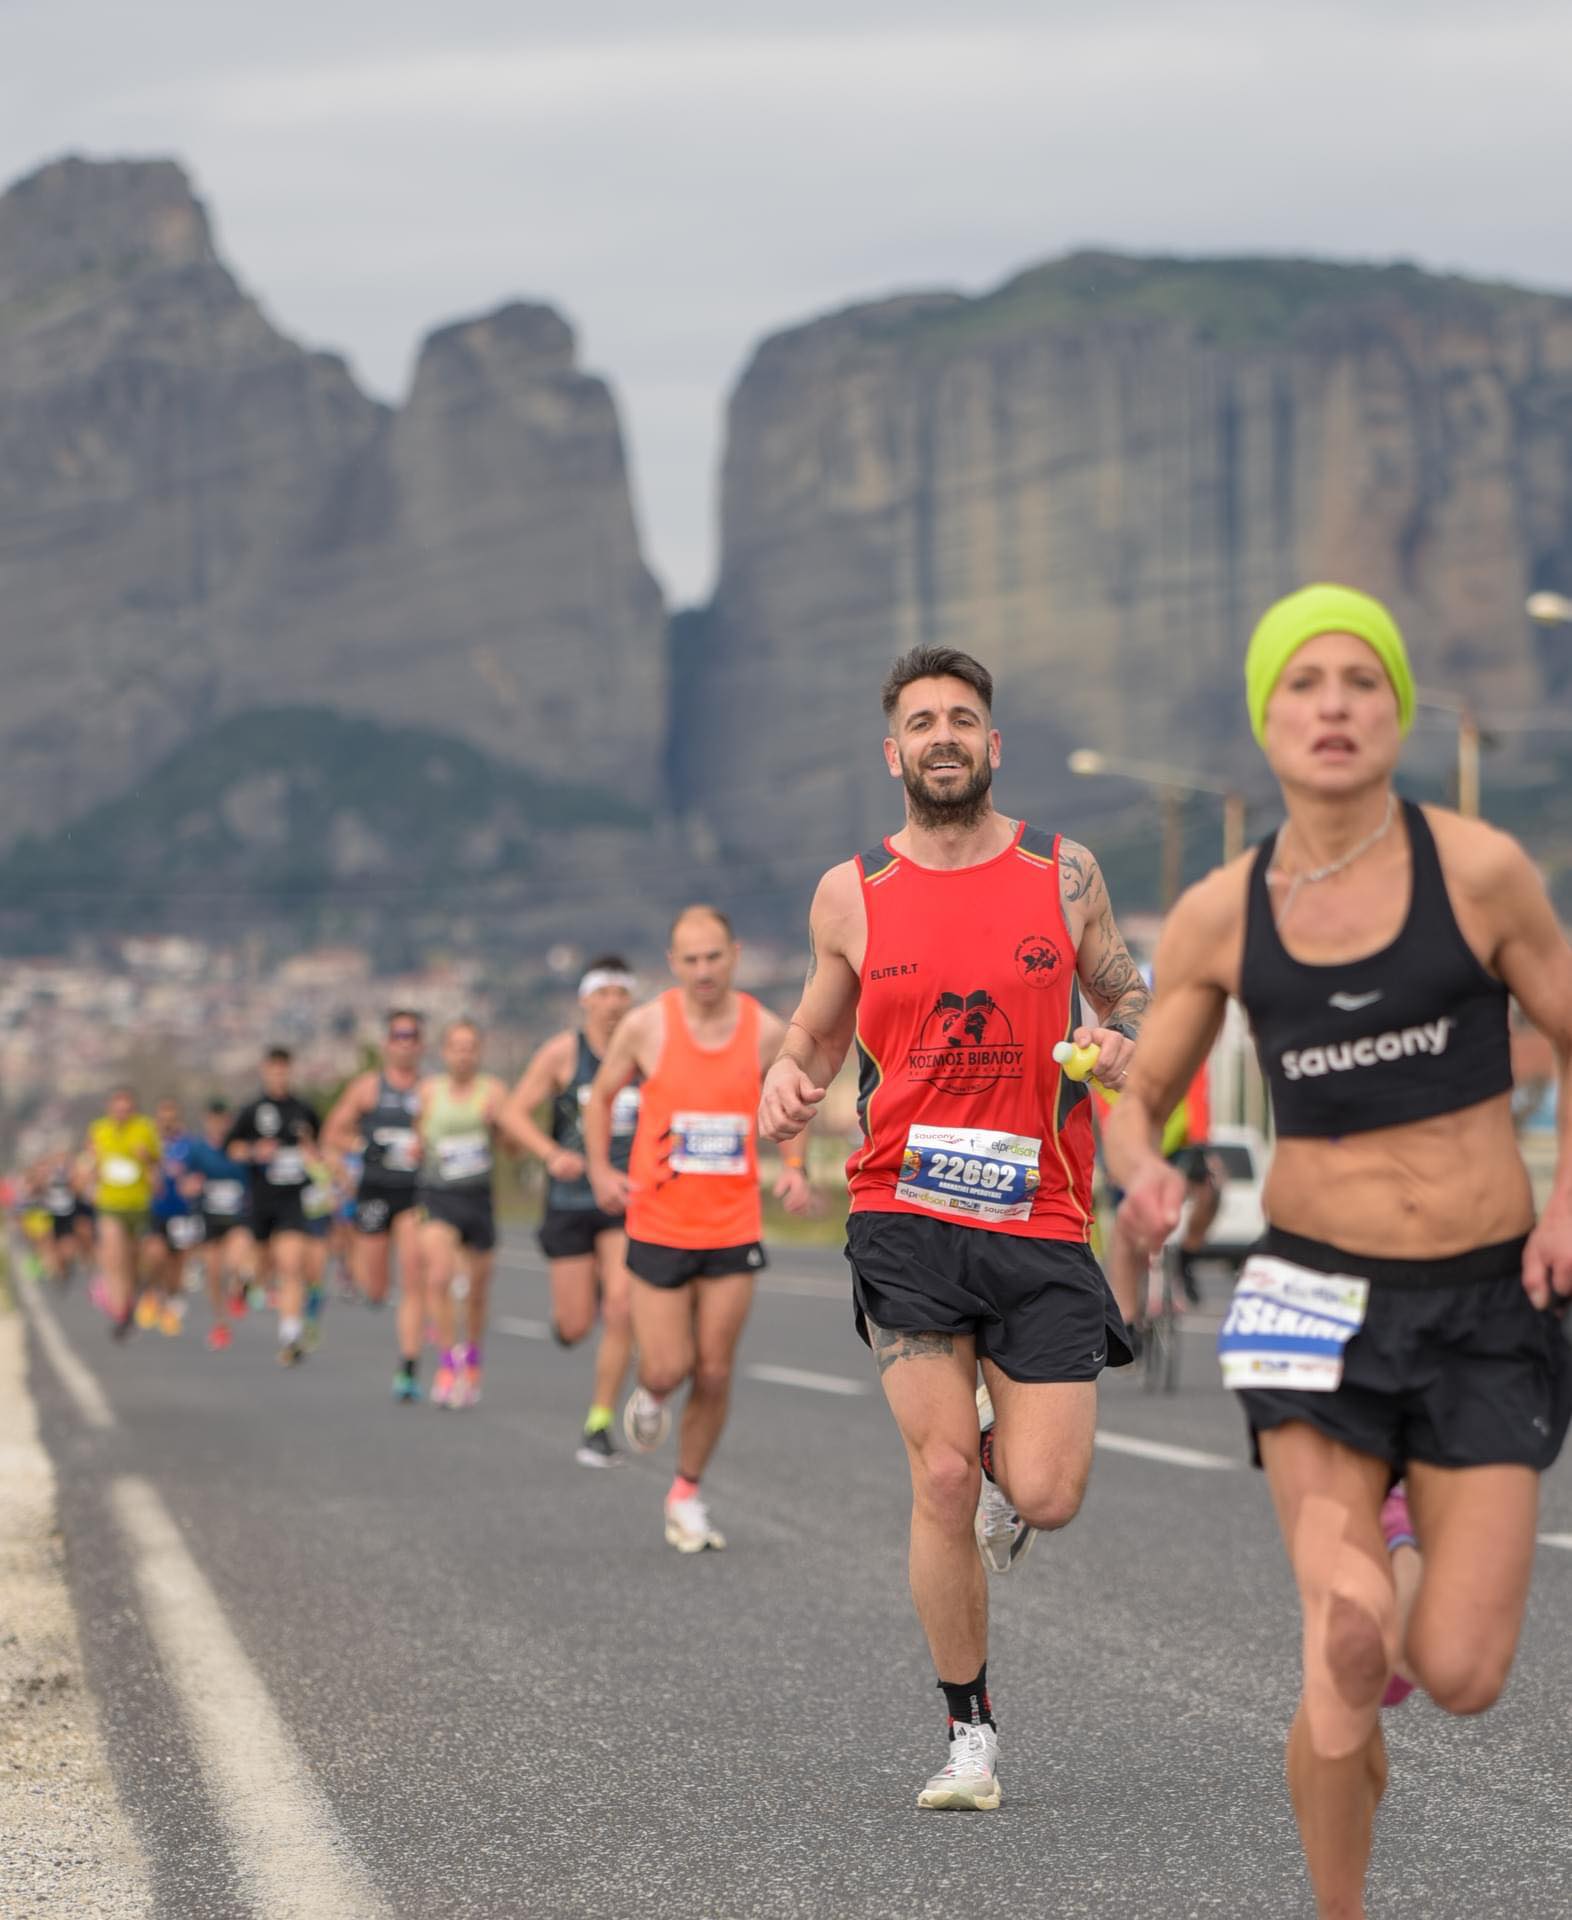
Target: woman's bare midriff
[(1421, 1191)]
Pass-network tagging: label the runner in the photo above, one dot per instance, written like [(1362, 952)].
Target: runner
[(1406, 1317), (53, 1184), (177, 1226), (956, 953), (276, 1135), (586, 1249), (122, 1152), (691, 1196), (224, 1202), (458, 1115), (377, 1108)]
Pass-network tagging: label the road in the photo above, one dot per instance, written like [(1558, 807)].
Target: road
[(359, 1660)]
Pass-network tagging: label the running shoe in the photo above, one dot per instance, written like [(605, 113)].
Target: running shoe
[(311, 1335), (597, 1449), (1397, 1529), (406, 1387), (443, 1385), (1003, 1538), (98, 1293), (147, 1313), (170, 1321), (688, 1526), (220, 1339), (239, 1305), (645, 1420), (472, 1384), (291, 1355), (969, 1780)]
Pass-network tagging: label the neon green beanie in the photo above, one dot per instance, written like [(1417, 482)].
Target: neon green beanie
[(1285, 628)]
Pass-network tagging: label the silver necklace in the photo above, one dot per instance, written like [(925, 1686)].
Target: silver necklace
[(1313, 874)]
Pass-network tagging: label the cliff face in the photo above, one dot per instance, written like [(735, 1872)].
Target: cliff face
[(1095, 479), (197, 516)]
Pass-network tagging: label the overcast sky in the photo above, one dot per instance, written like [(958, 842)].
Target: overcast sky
[(683, 177)]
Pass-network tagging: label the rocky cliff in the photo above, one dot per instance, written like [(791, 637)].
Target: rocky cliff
[(1095, 479), (196, 516)]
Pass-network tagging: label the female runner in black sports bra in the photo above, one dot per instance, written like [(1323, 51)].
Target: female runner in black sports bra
[(1405, 1316)]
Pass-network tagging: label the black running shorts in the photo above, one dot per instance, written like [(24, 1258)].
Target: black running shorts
[(376, 1208), (1040, 1310), (217, 1226), (568, 1233), (62, 1226), (468, 1213), (276, 1210), (180, 1232), (676, 1266), (1454, 1366)]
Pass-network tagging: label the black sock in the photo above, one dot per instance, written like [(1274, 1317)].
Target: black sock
[(985, 1452), (409, 1367), (968, 1700)]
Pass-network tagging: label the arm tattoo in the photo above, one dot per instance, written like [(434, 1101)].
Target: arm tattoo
[(1077, 871), (813, 960), (888, 1346), (1115, 980)]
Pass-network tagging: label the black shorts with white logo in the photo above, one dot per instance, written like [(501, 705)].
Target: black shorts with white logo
[(676, 1266), (376, 1208), (567, 1233), (1454, 1365), (1040, 1310), (179, 1231), (276, 1210), (468, 1212)]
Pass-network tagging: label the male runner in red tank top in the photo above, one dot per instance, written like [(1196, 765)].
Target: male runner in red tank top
[(691, 1195), (956, 954)]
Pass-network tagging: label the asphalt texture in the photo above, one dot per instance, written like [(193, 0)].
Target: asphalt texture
[(518, 1701)]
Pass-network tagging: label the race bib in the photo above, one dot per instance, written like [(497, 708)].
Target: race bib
[(287, 1168), (184, 1230), (118, 1171), (710, 1142), (1287, 1327), (223, 1196), (625, 1113), (970, 1172), (316, 1203), (400, 1148), (464, 1156)]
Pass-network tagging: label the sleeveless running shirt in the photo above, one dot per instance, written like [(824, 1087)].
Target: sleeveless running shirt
[(694, 1174), (968, 983), (392, 1146), (456, 1137), (567, 1129), (1416, 1030)]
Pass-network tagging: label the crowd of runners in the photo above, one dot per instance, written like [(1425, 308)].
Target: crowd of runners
[(1398, 1343)]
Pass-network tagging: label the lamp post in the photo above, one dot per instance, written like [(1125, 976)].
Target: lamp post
[(1172, 783), (1443, 700)]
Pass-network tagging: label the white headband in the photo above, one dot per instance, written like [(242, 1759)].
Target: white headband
[(599, 977)]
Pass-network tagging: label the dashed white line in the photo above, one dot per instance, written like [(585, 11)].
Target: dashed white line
[(800, 1377), (288, 1845), (86, 1394), (524, 1329), (1171, 1456), (1561, 1540)]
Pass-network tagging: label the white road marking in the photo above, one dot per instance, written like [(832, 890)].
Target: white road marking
[(1160, 1450), (1561, 1540), (289, 1848), (525, 1329), (799, 1377), (87, 1395)]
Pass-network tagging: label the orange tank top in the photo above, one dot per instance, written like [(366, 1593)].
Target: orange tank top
[(694, 1173)]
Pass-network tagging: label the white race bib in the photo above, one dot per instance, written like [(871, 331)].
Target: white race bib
[(625, 1112), (1287, 1326), (118, 1171), (184, 1230), (316, 1203), (287, 1168), (223, 1196), (464, 1156), (970, 1173), (710, 1142), (400, 1148)]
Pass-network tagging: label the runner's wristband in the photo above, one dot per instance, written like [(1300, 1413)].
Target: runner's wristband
[(1118, 1026)]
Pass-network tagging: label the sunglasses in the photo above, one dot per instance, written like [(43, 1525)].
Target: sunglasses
[(403, 1033)]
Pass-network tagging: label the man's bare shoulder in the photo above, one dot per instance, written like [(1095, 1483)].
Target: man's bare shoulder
[(837, 900)]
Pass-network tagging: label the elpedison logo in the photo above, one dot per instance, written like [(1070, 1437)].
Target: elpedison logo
[(967, 1045)]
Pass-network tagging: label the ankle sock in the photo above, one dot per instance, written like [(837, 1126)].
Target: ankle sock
[(682, 1488), (599, 1420), (289, 1329), (968, 1700), (985, 1452)]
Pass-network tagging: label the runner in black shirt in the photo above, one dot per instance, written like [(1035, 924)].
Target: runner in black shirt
[(274, 1135)]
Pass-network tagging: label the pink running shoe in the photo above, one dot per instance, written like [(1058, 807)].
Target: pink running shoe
[(1397, 1529)]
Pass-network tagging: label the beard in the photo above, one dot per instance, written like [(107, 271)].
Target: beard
[(963, 808)]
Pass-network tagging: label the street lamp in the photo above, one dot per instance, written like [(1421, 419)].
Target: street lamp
[(1549, 609), (1172, 784)]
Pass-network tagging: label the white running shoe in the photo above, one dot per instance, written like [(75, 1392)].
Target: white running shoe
[(688, 1526), (970, 1781), (1003, 1539), (645, 1420)]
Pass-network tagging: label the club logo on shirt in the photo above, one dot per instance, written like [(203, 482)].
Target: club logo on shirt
[(967, 1045), (1038, 959)]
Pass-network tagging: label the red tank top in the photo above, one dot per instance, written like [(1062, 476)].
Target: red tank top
[(693, 1176), (967, 985)]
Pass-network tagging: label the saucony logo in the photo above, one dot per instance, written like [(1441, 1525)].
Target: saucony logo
[(1353, 1002), (1309, 1063)]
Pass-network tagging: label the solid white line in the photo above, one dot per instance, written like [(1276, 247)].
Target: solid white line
[(1562, 1540), (814, 1382), (1160, 1450), (525, 1329), (91, 1402), (288, 1846)]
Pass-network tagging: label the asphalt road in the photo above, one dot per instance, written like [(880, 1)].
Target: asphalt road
[(397, 1661)]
